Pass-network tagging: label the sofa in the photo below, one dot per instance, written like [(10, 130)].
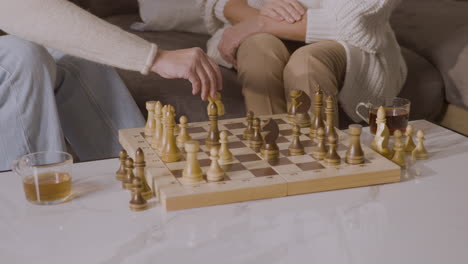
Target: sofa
[(433, 35)]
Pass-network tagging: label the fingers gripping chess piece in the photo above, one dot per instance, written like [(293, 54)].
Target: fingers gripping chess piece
[(225, 155), (212, 140), (256, 141), (150, 124), (420, 152), (215, 172), (140, 165), (398, 148), (158, 130), (269, 148), (138, 202), (319, 150), (183, 135), (170, 152), (296, 148), (409, 143), (332, 158), (354, 154), (121, 172), (382, 135), (302, 117), (317, 121), (293, 94), (330, 114), (248, 132), (127, 182), (192, 172)]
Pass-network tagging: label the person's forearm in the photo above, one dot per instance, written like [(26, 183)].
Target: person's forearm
[(237, 11), (283, 30), (63, 26)]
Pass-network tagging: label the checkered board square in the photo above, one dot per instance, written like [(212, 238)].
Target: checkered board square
[(249, 176)]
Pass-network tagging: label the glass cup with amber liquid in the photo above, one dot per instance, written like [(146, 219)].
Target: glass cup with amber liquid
[(46, 176)]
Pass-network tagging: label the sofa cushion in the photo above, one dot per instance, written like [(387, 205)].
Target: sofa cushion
[(438, 30), (178, 92), (105, 8), (424, 87)]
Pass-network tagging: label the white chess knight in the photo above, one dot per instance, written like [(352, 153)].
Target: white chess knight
[(382, 135)]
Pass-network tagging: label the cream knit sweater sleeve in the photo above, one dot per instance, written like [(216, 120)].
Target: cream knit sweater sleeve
[(61, 25)]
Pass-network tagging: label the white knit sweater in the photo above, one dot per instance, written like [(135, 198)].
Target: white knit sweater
[(375, 66), (64, 26)]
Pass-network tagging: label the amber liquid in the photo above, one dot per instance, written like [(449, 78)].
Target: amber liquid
[(51, 186), (397, 119)]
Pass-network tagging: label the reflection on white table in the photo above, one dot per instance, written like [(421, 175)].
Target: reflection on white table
[(423, 219)]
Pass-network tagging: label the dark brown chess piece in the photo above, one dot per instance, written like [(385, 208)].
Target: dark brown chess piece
[(121, 172), (302, 109), (257, 140), (248, 132), (140, 165), (317, 121), (127, 181), (137, 203), (354, 154), (296, 148), (212, 140), (269, 149)]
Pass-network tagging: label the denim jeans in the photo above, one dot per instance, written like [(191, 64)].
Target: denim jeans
[(47, 97)]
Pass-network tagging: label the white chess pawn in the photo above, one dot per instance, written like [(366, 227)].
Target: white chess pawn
[(215, 172), (420, 152), (183, 134), (225, 155)]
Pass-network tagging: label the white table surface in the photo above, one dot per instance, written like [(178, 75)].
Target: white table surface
[(423, 219)]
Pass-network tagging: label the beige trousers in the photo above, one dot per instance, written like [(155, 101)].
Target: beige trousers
[(268, 68)]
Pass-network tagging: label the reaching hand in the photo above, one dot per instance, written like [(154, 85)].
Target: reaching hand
[(289, 10), (190, 64)]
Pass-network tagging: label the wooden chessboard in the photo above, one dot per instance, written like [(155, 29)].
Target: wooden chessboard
[(249, 177)]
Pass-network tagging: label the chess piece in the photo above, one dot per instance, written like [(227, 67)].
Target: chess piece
[(296, 148), (398, 149), (138, 202), (317, 121), (354, 154), (319, 150), (409, 143), (150, 124), (293, 94), (212, 140), (256, 141), (192, 172), (127, 181), (332, 158), (183, 135), (420, 152), (218, 102), (248, 132), (225, 155), (162, 141), (269, 149), (170, 151), (330, 114), (302, 117), (121, 172), (158, 130), (214, 173), (382, 135), (140, 165)]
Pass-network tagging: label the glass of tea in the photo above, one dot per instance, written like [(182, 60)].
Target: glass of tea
[(46, 176), (396, 112)]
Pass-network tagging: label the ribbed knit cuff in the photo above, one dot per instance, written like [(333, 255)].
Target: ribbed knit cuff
[(150, 59), (219, 10), (321, 25)]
